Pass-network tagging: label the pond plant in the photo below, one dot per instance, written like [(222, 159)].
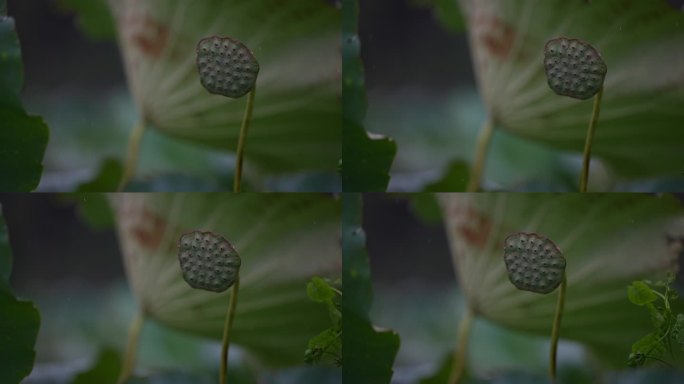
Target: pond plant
[(507, 40), (275, 318), (297, 127), (227, 67), (535, 264), (575, 69), (210, 262), (605, 236)]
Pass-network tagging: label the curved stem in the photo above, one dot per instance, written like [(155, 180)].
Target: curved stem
[(226, 331), (461, 351), (132, 156), (241, 140), (132, 347), (483, 141), (590, 137), (556, 329)]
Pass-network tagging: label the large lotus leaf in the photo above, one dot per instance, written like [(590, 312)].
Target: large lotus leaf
[(297, 115), (608, 240), (283, 241), (639, 131)]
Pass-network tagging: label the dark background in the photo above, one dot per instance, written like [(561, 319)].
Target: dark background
[(57, 56), (52, 245), (402, 44)]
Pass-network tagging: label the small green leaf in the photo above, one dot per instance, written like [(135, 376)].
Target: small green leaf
[(105, 369), (657, 318), (326, 346), (640, 293), (651, 345), (319, 290)]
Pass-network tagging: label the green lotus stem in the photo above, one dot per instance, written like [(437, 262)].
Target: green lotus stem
[(590, 137), (226, 331), (132, 347), (461, 352), (241, 140), (132, 155), (484, 139), (556, 329)]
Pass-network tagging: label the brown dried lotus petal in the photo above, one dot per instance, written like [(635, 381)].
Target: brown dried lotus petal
[(226, 66), (573, 68), (208, 261), (534, 262)]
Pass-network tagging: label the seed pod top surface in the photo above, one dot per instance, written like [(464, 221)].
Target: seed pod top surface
[(208, 261), (534, 262), (573, 68), (226, 66)]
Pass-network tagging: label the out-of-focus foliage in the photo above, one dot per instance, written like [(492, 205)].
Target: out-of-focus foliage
[(369, 353), (19, 322), (23, 138), (93, 17), (447, 13), (105, 369), (366, 157), (455, 179), (106, 179)]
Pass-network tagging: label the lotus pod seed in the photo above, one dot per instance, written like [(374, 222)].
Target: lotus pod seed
[(202, 268), (545, 271), (226, 77), (573, 68)]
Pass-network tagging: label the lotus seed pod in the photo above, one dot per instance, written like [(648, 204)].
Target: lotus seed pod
[(534, 263), (226, 66), (208, 261), (573, 68)]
